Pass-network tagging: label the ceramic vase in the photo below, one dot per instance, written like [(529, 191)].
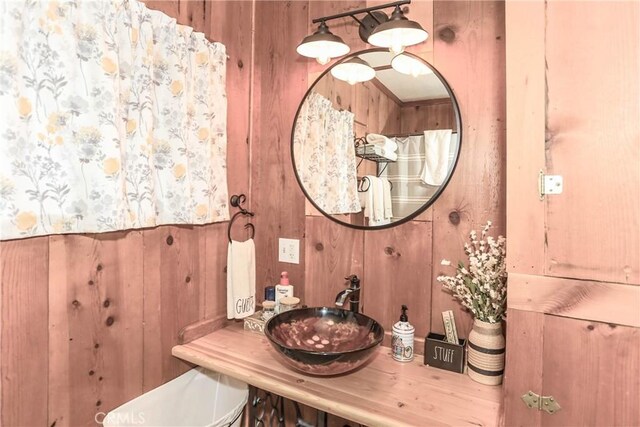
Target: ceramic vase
[(485, 354)]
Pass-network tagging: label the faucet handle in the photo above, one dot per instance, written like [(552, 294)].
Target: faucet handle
[(354, 281)]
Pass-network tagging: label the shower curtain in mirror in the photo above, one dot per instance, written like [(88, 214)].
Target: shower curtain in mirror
[(325, 158), (409, 193), (112, 117)]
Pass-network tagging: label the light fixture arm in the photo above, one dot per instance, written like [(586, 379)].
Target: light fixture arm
[(373, 16), (394, 32), (367, 10)]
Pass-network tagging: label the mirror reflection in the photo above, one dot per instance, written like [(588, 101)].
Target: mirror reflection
[(372, 149)]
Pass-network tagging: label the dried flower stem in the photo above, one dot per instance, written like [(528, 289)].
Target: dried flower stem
[(482, 285)]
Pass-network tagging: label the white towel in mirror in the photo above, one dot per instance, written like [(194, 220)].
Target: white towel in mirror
[(389, 146), (377, 200), (386, 194), (436, 161)]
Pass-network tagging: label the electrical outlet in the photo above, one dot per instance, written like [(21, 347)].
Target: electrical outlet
[(289, 251)]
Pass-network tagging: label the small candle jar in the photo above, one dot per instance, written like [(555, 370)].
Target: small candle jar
[(268, 309), (289, 303)]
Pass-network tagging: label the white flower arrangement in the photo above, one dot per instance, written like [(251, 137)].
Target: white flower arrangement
[(482, 286)]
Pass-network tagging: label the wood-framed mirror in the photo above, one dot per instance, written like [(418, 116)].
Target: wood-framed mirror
[(375, 154)]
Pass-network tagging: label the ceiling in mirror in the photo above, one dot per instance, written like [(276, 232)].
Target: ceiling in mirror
[(376, 153), (418, 88)]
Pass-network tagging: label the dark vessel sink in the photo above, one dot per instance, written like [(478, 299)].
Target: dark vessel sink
[(322, 340)]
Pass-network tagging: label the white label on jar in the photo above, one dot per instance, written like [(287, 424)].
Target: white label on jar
[(402, 347)]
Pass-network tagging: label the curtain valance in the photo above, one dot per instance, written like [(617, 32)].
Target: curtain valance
[(112, 116)]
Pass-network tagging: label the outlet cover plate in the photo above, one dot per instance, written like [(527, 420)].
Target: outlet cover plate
[(289, 251)]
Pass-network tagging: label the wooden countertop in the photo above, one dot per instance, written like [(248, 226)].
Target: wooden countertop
[(383, 393)]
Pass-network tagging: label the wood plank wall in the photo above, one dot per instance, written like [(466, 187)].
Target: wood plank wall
[(280, 81), (436, 114), (87, 305), (88, 321), (399, 265), (574, 258)]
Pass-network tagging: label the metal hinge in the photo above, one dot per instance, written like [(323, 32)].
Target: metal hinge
[(549, 184), (541, 403)]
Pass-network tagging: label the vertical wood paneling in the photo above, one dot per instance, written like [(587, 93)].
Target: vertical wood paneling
[(523, 367), (592, 370), (525, 135), (191, 12), (469, 48), (280, 81), (465, 31), (594, 140), (95, 324), (214, 260), (24, 333), (231, 22), (333, 253), (398, 271), (416, 119), (169, 7), (174, 297)]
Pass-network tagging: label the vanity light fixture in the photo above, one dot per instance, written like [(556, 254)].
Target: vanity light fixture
[(410, 65), (353, 71), (376, 28), (397, 33), (322, 45)]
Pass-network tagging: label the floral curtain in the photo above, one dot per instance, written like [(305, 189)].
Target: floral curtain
[(112, 117), (324, 153)]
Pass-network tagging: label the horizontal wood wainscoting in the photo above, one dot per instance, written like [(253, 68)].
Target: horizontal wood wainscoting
[(607, 302), (383, 393)]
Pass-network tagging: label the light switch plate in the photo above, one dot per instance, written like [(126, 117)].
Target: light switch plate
[(289, 251)]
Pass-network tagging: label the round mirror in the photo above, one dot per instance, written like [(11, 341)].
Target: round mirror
[(376, 139)]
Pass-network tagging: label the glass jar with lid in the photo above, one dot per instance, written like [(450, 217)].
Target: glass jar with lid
[(288, 303)]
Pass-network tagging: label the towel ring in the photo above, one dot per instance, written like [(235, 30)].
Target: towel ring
[(237, 201), (246, 226), (361, 189)]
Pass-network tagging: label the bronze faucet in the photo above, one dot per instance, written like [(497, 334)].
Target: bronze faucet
[(352, 292)]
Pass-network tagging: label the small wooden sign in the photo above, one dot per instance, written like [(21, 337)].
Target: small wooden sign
[(444, 355)]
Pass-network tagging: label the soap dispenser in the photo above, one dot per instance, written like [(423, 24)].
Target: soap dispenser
[(283, 289), (402, 338)]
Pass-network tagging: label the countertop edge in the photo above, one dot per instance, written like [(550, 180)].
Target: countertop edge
[(292, 392), (381, 393)]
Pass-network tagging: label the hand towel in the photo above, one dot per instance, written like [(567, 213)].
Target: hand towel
[(436, 161), (367, 195), (386, 194), (241, 279), (378, 217)]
